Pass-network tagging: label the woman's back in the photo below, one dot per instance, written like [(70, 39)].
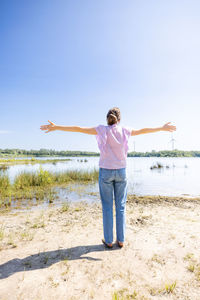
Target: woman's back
[(113, 145)]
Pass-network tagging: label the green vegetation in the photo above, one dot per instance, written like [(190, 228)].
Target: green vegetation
[(157, 166), (194, 265), (51, 152), (64, 208), (39, 185), (169, 288), (150, 199), (43, 152), (191, 268), (1, 233), (5, 163), (124, 295), (165, 153)]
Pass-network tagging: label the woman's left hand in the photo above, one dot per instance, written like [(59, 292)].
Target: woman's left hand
[(49, 127)]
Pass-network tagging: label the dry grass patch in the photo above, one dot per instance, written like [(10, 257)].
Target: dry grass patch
[(193, 265), (158, 259), (26, 235)]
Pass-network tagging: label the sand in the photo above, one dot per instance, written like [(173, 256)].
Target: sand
[(57, 253)]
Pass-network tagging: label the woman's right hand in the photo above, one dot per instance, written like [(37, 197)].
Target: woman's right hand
[(169, 127), (49, 127)]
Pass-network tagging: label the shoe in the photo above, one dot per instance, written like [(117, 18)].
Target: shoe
[(120, 244), (109, 246)]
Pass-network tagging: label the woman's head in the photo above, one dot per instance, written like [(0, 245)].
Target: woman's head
[(113, 116)]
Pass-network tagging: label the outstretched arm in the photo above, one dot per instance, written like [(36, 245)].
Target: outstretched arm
[(166, 127), (52, 127)]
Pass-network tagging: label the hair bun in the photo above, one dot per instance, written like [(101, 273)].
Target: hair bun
[(113, 116), (112, 119)]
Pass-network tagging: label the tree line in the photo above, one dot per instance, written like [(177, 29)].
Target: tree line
[(165, 153), (51, 152), (44, 152)]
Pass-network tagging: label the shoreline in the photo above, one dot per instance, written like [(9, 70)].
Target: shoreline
[(32, 204)]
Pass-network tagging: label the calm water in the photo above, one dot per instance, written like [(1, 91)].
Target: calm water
[(181, 178)]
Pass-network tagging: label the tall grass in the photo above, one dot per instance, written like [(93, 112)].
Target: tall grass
[(39, 184), (26, 179), (44, 178), (4, 182), (75, 176)]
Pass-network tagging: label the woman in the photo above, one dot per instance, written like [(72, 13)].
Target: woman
[(113, 145)]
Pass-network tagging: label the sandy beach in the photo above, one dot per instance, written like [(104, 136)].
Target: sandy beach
[(57, 253)]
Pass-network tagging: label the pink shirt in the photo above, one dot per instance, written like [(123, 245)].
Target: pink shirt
[(113, 145)]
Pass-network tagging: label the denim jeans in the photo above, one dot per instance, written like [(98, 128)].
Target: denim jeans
[(113, 183)]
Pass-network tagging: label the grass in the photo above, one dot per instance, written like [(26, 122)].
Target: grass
[(52, 282), (5, 163), (197, 272), (26, 236), (27, 264), (4, 167), (39, 223), (124, 295), (11, 241), (193, 266), (43, 178), (169, 288), (17, 197), (64, 208), (189, 256), (4, 239), (157, 199), (1, 233), (39, 185), (4, 182), (45, 259), (76, 176), (65, 260), (158, 259)]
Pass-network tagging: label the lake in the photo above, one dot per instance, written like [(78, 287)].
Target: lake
[(178, 177)]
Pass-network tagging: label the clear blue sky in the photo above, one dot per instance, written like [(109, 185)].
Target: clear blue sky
[(70, 61)]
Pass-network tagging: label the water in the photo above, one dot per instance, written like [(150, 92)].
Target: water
[(181, 178)]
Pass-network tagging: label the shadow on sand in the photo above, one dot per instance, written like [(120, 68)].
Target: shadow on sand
[(43, 260)]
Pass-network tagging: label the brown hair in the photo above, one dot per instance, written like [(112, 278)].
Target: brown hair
[(113, 116)]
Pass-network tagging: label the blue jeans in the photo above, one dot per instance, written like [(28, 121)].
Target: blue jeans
[(113, 183)]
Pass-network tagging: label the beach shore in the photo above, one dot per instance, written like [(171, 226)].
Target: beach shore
[(56, 253)]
